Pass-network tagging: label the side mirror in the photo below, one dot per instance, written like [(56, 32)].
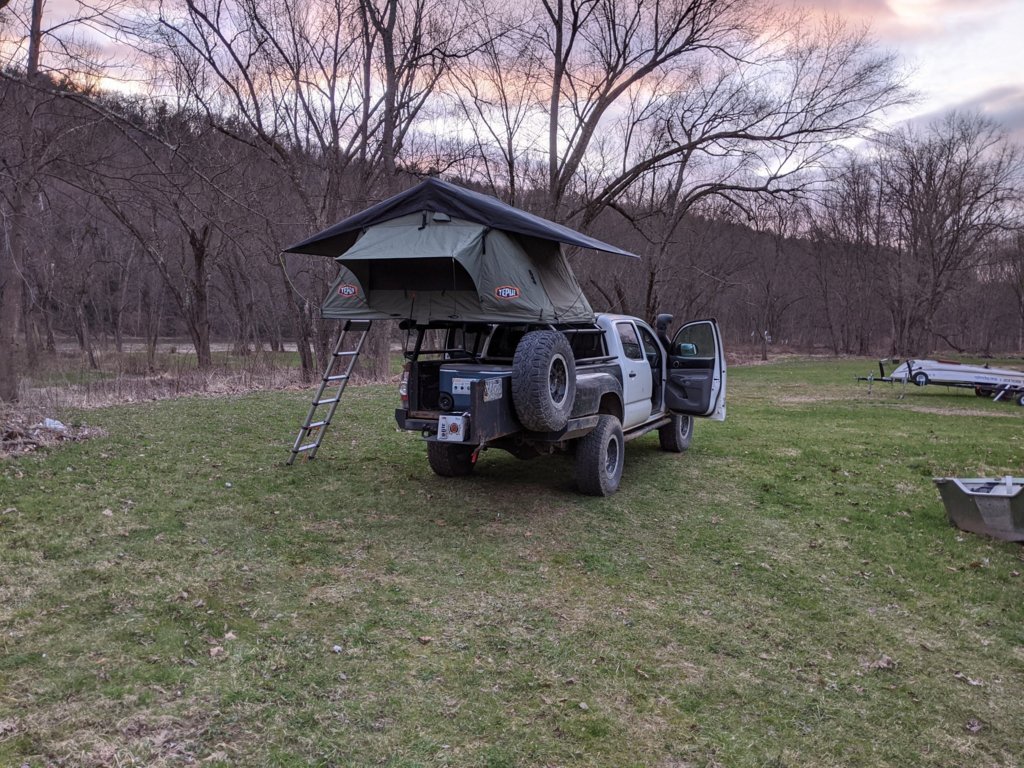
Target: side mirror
[(686, 349)]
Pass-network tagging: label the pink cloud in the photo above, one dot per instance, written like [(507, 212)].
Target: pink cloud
[(897, 21)]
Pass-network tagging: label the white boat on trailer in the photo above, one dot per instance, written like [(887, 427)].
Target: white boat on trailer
[(997, 383)]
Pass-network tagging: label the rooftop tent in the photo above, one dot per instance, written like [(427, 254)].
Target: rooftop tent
[(441, 252), (450, 269)]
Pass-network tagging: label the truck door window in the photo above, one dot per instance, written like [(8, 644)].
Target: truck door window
[(651, 349), (696, 342), (630, 341)]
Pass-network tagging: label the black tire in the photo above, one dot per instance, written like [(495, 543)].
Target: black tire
[(677, 436), (450, 459), (984, 392), (543, 381), (920, 379), (1020, 400), (599, 458)]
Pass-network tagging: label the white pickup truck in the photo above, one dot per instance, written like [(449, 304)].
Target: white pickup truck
[(534, 390)]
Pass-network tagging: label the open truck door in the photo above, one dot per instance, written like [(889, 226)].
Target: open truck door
[(695, 385)]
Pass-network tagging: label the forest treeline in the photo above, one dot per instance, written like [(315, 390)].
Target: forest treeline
[(734, 145)]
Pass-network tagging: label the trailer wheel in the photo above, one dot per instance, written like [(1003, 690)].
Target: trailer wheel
[(600, 456), (1020, 399), (677, 436), (543, 381), (921, 379), (450, 459)]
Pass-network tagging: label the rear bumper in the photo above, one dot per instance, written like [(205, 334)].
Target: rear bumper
[(412, 424)]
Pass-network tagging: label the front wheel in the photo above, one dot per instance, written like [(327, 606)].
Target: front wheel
[(450, 459), (677, 436), (600, 455)]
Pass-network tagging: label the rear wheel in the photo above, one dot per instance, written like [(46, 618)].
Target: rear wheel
[(543, 381), (677, 436), (450, 459), (921, 379), (600, 455)]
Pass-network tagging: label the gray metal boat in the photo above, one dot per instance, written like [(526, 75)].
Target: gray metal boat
[(990, 506)]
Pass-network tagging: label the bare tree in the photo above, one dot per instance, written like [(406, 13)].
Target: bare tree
[(34, 132), (738, 93), (949, 191), (1015, 271), (848, 236), (773, 283)]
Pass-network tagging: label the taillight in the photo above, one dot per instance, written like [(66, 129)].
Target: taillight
[(403, 387)]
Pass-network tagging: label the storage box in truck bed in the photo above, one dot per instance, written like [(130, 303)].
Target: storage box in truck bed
[(456, 380)]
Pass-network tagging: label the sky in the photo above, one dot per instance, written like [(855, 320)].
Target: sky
[(960, 54)]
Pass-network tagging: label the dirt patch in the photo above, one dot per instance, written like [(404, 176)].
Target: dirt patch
[(806, 399), (960, 411)]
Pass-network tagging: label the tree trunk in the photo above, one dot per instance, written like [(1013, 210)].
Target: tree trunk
[(300, 311), (199, 317), (28, 327), (11, 270), (84, 337)]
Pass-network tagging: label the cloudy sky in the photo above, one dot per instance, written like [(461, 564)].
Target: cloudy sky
[(960, 53), (965, 54)]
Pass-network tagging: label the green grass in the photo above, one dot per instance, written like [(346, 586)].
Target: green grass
[(787, 593)]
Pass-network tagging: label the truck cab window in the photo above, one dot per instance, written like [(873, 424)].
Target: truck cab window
[(630, 341)]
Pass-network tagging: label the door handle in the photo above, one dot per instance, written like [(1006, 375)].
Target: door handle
[(632, 374)]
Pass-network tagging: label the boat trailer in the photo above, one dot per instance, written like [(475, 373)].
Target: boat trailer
[(998, 384)]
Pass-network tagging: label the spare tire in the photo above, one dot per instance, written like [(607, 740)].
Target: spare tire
[(543, 381)]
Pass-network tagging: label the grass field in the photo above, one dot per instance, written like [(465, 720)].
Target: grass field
[(787, 593)]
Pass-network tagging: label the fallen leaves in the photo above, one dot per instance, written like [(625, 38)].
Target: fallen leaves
[(969, 680), (885, 662)]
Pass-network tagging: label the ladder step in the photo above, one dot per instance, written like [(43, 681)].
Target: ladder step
[(339, 377), (349, 353), (327, 402), (302, 448), (315, 424)]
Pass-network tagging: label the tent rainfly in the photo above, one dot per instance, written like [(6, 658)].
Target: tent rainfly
[(439, 252)]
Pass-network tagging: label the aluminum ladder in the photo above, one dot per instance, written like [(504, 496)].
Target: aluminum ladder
[(331, 388)]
